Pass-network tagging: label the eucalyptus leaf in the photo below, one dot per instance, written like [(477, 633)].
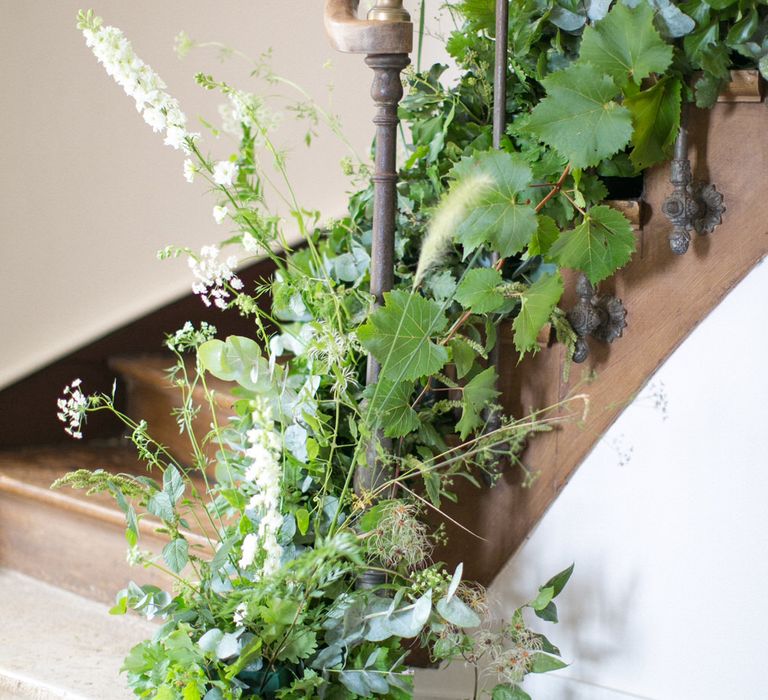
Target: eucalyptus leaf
[(457, 612)]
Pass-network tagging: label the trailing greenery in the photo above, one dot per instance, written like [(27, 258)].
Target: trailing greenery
[(266, 602)]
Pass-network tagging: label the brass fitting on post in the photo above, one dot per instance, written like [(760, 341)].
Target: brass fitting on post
[(389, 11)]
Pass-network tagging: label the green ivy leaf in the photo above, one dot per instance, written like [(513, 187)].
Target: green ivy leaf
[(391, 407), (498, 217), (626, 45), (399, 335), (536, 305), (477, 394), (579, 116), (656, 116), (176, 554), (598, 246), (478, 291)]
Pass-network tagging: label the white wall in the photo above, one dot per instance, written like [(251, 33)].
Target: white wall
[(667, 524), (88, 193)]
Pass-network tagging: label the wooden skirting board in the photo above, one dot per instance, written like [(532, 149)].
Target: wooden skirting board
[(666, 297)]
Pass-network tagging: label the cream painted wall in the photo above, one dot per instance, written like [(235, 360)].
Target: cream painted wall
[(88, 193), (667, 524)]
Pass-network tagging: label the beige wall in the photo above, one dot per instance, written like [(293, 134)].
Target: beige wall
[(88, 193)]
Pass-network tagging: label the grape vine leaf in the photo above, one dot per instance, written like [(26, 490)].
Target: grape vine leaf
[(579, 116), (546, 234), (462, 355), (391, 407), (399, 335), (598, 246), (478, 291), (626, 45), (497, 217), (656, 116), (536, 305), (477, 393)]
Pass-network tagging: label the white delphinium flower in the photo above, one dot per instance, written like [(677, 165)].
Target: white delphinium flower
[(224, 173), (220, 213), (72, 409), (161, 111), (250, 545), (213, 276), (189, 170), (264, 474)]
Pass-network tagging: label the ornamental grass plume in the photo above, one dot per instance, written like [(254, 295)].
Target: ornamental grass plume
[(451, 211)]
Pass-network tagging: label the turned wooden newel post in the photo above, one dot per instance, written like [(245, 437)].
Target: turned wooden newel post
[(386, 38)]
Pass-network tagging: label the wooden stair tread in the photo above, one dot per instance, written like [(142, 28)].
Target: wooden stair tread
[(154, 370)]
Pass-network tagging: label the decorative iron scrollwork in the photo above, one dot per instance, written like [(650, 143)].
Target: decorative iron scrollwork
[(693, 205), (602, 317)]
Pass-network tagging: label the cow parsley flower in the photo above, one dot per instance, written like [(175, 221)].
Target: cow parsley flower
[(161, 111), (264, 476), (214, 276), (73, 407), (249, 110), (224, 173)]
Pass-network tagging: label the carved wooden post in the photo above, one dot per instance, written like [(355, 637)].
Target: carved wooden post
[(387, 39)]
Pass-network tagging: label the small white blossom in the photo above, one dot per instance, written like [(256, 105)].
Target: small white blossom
[(72, 409), (224, 173), (189, 170), (219, 214), (238, 617), (250, 243), (250, 545), (213, 276)]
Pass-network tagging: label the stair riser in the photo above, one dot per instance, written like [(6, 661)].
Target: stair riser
[(70, 550)]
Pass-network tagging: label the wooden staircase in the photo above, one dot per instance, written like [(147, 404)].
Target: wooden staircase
[(77, 543)]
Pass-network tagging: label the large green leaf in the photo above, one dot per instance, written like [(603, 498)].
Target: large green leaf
[(478, 290), (536, 305), (399, 335), (477, 394), (598, 246), (626, 45), (509, 692), (579, 116), (391, 407), (543, 663), (176, 554), (656, 116), (499, 217)]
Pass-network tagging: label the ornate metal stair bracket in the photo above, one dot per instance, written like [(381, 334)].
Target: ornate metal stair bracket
[(602, 317), (693, 205)]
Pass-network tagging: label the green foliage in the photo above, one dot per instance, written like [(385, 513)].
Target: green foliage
[(580, 117), (479, 291), (536, 306), (625, 45), (400, 336), (656, 118), (600, 244)]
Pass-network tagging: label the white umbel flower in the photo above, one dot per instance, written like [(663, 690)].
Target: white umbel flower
[(72, 409), (159, 109), (213, 276), (224, 173)]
